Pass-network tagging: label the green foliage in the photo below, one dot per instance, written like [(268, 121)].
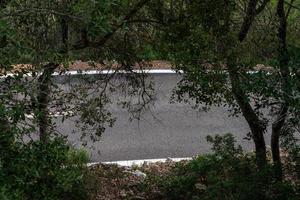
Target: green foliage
[(149, 53), (227, 174), (78, 155), (219, 44), (39, 32), (224, 145), (42, 171), (199, 42)]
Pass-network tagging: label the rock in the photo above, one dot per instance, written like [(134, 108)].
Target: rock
[(200, 186), (123, 193), (169, 159), (139, 174), (137, 198)]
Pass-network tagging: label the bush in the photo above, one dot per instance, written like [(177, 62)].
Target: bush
[(41, 171), (227, 174)]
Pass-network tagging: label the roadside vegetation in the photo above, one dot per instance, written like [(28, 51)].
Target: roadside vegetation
[(240, 54), (226, 173)]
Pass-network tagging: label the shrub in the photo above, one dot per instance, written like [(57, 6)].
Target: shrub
[(42, 171), (226, 174)]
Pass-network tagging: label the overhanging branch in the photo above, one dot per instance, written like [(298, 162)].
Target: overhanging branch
[(97, 44)]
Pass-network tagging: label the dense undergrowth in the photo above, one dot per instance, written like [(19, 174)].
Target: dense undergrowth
[(55, 171), (38, 171), (228, 174)]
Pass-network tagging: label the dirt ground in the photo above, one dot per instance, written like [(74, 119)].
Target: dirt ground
[(115, 182)]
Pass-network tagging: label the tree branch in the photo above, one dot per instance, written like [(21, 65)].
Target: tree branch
[(262, 6), (149, 21), (41, 10), (251, 12), (109, 35), (290, 8)]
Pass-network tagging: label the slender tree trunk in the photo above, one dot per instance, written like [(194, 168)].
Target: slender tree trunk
[(251, 13), (6, 138), (257, 126), (248, 20), (275, 146), (42, 101), (283, 59), (65, 34)]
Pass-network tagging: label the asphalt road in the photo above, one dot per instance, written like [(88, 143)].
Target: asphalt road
[(176, 131)]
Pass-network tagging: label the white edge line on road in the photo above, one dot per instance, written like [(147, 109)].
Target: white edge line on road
[(106, 72), (130, 163), (93, 72), (57, 114)]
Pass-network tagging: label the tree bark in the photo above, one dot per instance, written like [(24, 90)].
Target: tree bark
[(6, 137), (251, 12), (256, 125), (65, 34), (283, 59), (43, 99), (275, 146)]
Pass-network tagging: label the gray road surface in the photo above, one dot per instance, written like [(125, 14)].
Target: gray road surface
[(177, 131)]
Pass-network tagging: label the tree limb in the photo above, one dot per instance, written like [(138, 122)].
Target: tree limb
[(97, 44), (262, 6), (251, 12), (290, 8)]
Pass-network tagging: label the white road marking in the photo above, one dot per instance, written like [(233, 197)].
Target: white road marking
[(106, 72), (130, 163), (56, 114), (93, 72), (139, 71)]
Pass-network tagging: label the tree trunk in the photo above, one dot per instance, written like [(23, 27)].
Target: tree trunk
[(42, 101), (275, 146), (283, 59), (251, 12), (257, 126), (6, 137), (65, 34), (248, 20)]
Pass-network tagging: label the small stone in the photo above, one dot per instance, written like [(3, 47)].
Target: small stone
[(169, 159), (200, 187), (123, 193), (137, 198), (139, 174)]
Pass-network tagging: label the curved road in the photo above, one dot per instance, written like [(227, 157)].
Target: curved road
[(177, 130)]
